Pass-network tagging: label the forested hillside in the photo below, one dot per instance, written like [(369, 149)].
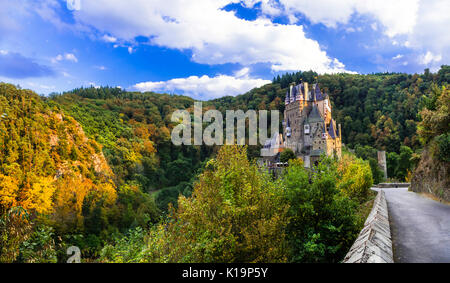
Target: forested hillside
[(134, 130), (50, 174)]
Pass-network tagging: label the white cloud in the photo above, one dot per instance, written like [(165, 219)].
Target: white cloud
[(70, 57), (429, 57), (101, 68), (205, 87), (243, 73), (420, 25), (398, 17), (214, 35), (66, 56), (108, 38), (398, 56), (431, 30)]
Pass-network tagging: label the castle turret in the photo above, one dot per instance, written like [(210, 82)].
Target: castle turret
[(305, 91), (340, 133)]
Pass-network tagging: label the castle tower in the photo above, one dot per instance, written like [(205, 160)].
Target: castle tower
[(308, 127)]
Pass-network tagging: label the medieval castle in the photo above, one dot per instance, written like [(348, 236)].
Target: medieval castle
[(308, 128)]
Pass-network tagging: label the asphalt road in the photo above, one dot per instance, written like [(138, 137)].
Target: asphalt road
[(420, 227)]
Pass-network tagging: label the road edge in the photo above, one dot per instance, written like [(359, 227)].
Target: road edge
[(374, 243)]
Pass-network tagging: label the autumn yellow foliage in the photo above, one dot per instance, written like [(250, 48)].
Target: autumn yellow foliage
[(236, 214), (355, 177)]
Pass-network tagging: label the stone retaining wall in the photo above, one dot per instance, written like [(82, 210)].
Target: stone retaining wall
[(373, 244)]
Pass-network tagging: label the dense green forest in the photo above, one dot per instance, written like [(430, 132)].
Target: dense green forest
[(96, 168)]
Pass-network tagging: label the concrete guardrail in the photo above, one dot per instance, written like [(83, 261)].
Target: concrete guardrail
[(373, 244)]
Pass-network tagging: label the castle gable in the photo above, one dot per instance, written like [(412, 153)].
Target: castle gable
[(314, 116)]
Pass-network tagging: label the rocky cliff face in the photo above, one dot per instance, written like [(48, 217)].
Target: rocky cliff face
[(432, 176)]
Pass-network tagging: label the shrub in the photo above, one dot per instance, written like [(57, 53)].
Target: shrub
[(443, 145), (287, 155), (236, 214), (323, 223), (355, 177)]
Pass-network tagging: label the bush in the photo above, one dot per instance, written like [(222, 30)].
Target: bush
[(125, 249), (287, 155), (15, 228), (443, 145), (323, 222), (236, 214), (377, 173), (355, 178), (40, 248)]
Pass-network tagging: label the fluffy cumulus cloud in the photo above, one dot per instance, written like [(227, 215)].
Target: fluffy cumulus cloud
[(205, 87), (430, 33), (214, 36), (397, 16), (429, 57), (421, 25)]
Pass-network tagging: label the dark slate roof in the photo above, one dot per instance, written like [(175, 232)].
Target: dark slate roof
[(294, 91), (318, 93), (314, 115), (287, 93), (331, 131)]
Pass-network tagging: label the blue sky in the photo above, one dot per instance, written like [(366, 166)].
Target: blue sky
[(211, 48)]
